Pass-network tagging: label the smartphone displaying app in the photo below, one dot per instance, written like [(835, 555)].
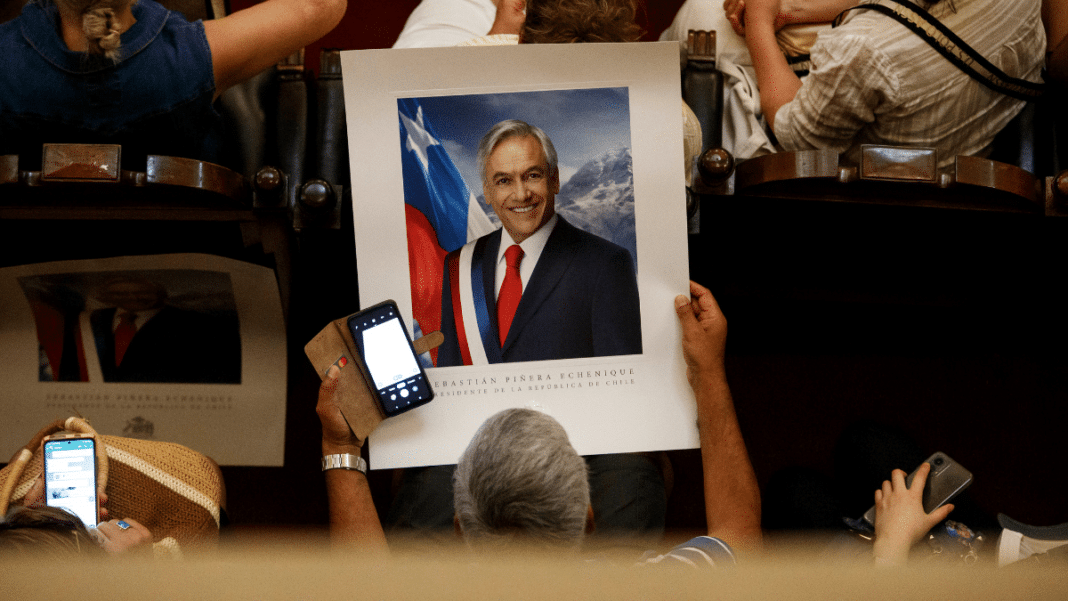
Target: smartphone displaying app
[(70, 477), (389, 359)]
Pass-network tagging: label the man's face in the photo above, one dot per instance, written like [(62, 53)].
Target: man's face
[(519, 186), (132, 296)]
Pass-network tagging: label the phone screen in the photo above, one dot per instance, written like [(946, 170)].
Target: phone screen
[(70, 477), (387, 352)]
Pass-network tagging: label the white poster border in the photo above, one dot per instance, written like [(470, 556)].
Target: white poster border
[(606, 404)]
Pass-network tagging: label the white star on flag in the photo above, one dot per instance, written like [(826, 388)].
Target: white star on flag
[(419, 139)]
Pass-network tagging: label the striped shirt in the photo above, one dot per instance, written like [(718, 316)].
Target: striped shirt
[(702, 552), (873, 81)]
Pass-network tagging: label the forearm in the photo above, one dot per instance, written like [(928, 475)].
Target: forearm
[(354, 523), (732, 496), (1055, 20), (253, 39), (812, 11), (777, 83), (510, 17), (890, 553)]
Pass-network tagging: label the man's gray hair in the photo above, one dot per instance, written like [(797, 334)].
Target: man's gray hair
[(520, 480), (514, 128)]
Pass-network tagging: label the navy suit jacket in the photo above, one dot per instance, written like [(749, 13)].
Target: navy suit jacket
[(581, 301), (175, 346)]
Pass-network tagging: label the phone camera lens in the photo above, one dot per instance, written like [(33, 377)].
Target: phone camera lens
[(939, 461)]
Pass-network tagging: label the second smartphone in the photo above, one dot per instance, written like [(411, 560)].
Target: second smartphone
[(70, 476), (946, 480)]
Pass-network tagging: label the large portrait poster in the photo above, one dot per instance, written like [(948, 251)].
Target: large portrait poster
[(571, 153), (184, 348)]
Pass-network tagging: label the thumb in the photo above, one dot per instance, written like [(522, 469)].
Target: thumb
[(682, 307), (330, 382), (939, 514)]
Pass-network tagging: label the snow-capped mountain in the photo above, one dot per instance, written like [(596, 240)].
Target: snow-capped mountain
[(599, 198)]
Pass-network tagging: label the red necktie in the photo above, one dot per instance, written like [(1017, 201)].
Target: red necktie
[(124, 334), (511, 290)]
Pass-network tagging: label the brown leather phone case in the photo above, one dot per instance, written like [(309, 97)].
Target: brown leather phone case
[(334, 346)]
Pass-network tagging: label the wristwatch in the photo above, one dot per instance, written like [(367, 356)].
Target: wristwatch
[(345, 461)]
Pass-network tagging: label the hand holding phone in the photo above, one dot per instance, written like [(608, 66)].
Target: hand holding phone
[(125, 535), (338, 434), (946, 480)]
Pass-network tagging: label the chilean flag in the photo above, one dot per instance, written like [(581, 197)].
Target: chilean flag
[(440, 212)]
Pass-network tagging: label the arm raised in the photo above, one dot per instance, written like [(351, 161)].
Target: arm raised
[(791, 12), (354, 522), (777, 82), (251, 40), (732, 497)]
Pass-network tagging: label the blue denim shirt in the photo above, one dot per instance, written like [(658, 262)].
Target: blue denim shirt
[(156, 99)]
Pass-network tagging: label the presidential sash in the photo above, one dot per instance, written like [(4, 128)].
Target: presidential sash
[(473, 313)]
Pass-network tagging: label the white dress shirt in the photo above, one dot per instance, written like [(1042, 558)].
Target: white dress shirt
[(532, 248)]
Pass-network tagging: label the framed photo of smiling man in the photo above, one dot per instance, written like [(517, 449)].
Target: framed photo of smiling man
[(536, 217), (567, 288)]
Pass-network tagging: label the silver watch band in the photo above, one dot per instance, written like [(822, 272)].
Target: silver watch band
[(345, 461)]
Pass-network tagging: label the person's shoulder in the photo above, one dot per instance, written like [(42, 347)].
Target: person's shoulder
[(869, 40), (494, 235), (34, 19), (483, 239), (157, 22), (155, 13), (10, 31), (574, 235), (440, 23), (701, 552), (858, 26), (12, 24)]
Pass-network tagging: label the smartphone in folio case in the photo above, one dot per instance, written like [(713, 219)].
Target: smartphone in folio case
[(388, 360), (946, 480), (70, 476)]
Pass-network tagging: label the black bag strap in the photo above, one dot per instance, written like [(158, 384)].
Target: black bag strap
[(800, 64), (951, 46)]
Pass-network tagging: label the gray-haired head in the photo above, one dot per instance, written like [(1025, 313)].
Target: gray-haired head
[(42, 530), (512, 128), (520, 480)]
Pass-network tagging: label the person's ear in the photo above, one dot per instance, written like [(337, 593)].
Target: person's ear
[(590, 525), (456, 526)]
